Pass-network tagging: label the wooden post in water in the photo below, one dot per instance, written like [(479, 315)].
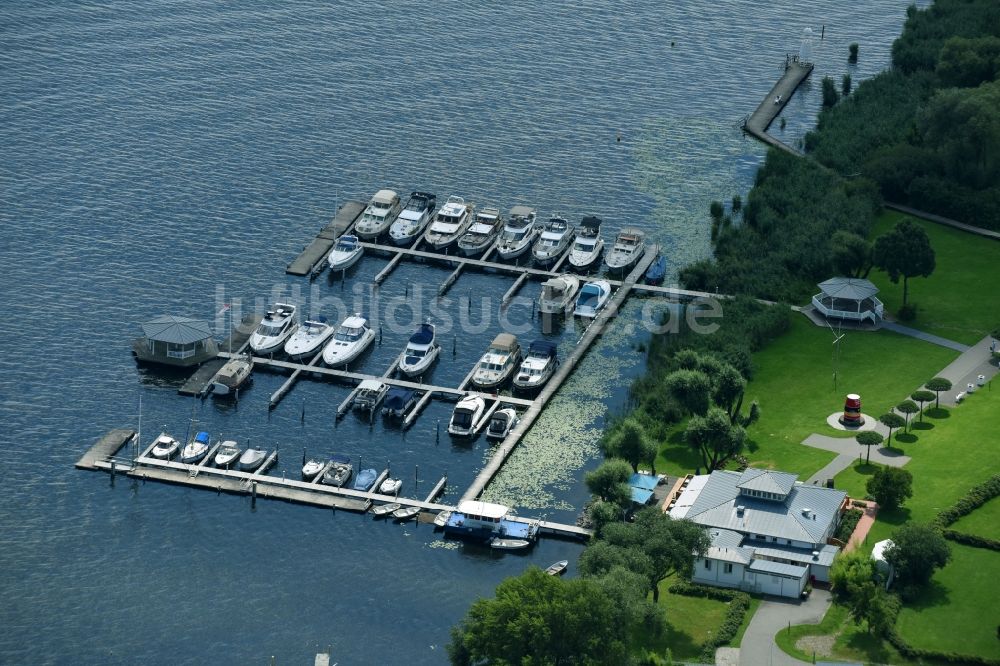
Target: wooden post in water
[(253, 494)]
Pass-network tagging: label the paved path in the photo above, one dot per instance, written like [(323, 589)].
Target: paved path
[(773, 615), (966, 369), (926, 337), (931, 217)]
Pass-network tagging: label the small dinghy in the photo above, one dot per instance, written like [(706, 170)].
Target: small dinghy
[(196, 449), (345, 253), (371, 392), (419, 210), (383, 510), (482, 233), (232, 376), (467, 412), (252, 459), (555, 238), (165, 446), (365, 479), (405, 513), (509, 544), (501, 423), (390, 486), (312, 468), (381, 212), (588, 245), (441, 519), (229, 451), (310, 338), (537, 367), (558, 294), (421, 351), (557, 568), (592, 298), (657, 271), (629, 246), (498, 363), (518, 234), (277, 326), (339, 472), (451, 221), (398, 402), (353, 336)]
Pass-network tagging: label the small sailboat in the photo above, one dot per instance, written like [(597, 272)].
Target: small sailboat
[(421, 351), (196, 449), (381, 212), (398, 402), (345, 253), (557, 568), (518, 233), (390, 486), (417, 213), (588, 244), (365, 479), (277, 326), (165, 446), (232, 375), (312, 468), (593, 296), (467, 413), (482, 233), (629, 246), (558, 294), (227, 454), (339, 472), (537, 367), (501, 423), (353, 336), (555, 238), (310, 338), (251, 459), (498, 363), (657, 271), (371, 392), (451, 221), (383, 510)]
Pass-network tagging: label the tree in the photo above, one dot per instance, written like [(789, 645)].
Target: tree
[(907, 407), (830, 95), (691, 389), (890, 486), (728, 389), (845, 85), (849, 571), (868, 439), (905, 251), (714, 437), (630, 443), (857, 584), (539, 619), (851, 254), (610, 481), (922, 397), (937, 385), (602, 513), (916, 551), (892, 421), (852, 53)]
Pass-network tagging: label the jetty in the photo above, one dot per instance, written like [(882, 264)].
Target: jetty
[(758, 122), (315, 253)]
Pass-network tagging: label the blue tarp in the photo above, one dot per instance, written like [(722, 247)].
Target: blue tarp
[(641, 495), (424, 335), (542, 348), (202, 437), (643, 481), (398, 397)]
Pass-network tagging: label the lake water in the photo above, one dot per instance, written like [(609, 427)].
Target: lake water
[(172, 157)]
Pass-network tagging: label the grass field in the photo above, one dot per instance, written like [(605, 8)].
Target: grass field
[(984, 521), (946, 306), (690, 622), (843, 640)]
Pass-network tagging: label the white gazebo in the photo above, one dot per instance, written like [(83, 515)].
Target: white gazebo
[(849, 298), (177, 341)]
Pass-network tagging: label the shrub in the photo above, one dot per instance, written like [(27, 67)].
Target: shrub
[(973, 540), (852, 53), (975, 498), (847, 524)]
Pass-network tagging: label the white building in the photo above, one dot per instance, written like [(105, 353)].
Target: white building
[(769, 531)]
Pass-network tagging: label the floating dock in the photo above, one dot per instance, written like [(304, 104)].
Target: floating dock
[(199, 382), (758, 122), (316, 252)]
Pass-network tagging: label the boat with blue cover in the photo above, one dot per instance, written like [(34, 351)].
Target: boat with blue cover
[(365, 479), (196, 449), (399, 402), (421, 351), (657, 271)]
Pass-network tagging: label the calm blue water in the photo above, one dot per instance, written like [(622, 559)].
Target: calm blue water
[(169, 157)]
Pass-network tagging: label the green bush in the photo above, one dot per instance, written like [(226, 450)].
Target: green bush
[(847, 524), (973, 540), (975, 498)]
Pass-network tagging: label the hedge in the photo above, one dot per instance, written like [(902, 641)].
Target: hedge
[(911, 652), (973, 540), (975, 498), (847, 525), (739, 603)]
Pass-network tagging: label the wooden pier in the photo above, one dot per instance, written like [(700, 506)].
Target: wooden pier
[(758, 122), (199, 383), (106, 447), (316, 252)]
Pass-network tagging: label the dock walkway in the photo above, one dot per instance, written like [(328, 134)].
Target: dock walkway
[(316, 251), (758, 122), (199, 382)]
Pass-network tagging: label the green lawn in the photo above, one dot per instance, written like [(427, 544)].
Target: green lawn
[(690, 622), (984, 521), (850, 641), (963, 260)]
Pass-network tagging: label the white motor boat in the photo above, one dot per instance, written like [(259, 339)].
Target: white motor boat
[(467, 413), (537, 366), (593, 296), (278, 325), (629, 246), (312, 468), (558, 294), (498, 363), (353, 336), (229, 451), (232, 375), (421, 351), (339, 472), (518, 233), (482, 233), (390, 486), (417, 213), (196, 449), (556, 237), (345, 253), (251, 459), (381, 212), (165, 446), (370, 394), (588, 244), (501, 423), (452, 220), (310, 338)]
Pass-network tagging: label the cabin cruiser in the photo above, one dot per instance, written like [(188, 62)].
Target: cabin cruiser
[(252, 459), (657, 271), (165, 446), (345, 253), (467, 413), (370, 393), (537, 366), (593, 296), (232, 375), (196, 449), (390, 486), (381, 212), (452, 220), (501, 423), (398, 402), (558, 294), (588, 244), (482, 233), (353, 336), (518, 233), (421, 351), (228, 453), (310, 338), (365, 479), (629, 246), (412, 221), (339, 472), (312, 468), (556, 237), (278, 325), (498, 363)]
